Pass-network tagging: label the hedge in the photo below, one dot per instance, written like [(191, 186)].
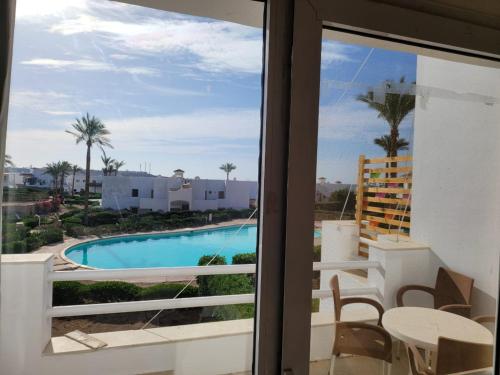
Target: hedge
[(112, 291), (51, 235), (75, 293), (245, 258), (166, 291), (202, 281)]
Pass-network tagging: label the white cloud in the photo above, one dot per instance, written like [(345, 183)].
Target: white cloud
[(62, 113), (37, 9), (182, 139), (349, 120), (219, 46), (89, 65), (223, 124), (332, 51), (38, 100)]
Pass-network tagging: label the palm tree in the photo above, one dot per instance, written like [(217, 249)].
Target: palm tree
[(389, 146), (117, 165), (395, 107), (75, 169), (91, 131), (53, 170), (8, 161), (108, 164), (228, 168), (64, 170)]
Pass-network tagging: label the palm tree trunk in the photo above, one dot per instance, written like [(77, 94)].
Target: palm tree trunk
[(394, 147), (73, 185), (62, 185), (87, 183)]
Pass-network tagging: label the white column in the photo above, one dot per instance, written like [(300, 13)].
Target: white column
[(25, 328), (339, 242), (403, 262)]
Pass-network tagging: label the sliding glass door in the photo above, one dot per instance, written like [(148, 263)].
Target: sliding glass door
[(392, 181)]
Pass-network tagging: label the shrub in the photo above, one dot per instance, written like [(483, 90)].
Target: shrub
[(231, 284), (113, 291), (317, 253), (233, 312), (33, 242), (245, 258), (30, 221), (51, 235), (14, 247), (12, 232), (219, 285), (68, 293), (203, 280), (217, 260), (76, 219), (75, 230), (103, 217), (165, 291)]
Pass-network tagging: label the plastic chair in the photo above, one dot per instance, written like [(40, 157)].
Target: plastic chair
[(452, 292), (453, 356), (357, 338)]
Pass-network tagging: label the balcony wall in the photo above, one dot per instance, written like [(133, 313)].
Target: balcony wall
[(456, 179)]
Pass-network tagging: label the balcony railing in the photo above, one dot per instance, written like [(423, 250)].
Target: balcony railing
[(167, 304)]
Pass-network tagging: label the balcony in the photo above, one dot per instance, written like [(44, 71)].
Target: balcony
[(226, 346)]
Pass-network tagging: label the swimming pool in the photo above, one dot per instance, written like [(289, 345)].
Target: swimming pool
[(166, 249)]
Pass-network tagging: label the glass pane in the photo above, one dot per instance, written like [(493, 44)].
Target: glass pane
[(133, 151), (407, 170)]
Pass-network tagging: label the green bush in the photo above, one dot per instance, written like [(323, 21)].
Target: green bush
[(76, 219), (203, 280), (112, 291), (51, 235), (14, 247), (231, 284), (33, 242), (68, 293), (233, 312), (317, 253), (217, 260), (245, 258), (166, 291), (103, 217), (11, 232), (30, 221), (219, 285)]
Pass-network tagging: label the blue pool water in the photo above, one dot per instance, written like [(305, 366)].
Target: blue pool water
[(165, 250)]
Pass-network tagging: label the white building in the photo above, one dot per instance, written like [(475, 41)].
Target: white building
[(176, 193)]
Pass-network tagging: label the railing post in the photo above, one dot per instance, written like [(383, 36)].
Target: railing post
[(25, 328), (359, 195)]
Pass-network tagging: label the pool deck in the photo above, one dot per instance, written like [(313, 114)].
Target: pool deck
[(63, 264)]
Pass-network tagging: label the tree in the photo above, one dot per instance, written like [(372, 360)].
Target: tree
[(389, 146), (53, 170), (75, 169), (117, 165), (90, 131), (228, 168), (64, 170), (8, 161), (394, 109), (108, 164)]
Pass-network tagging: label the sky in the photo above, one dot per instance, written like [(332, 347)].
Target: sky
[(175, 91)]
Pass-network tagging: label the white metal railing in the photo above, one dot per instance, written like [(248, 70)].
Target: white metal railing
[(190, 302)]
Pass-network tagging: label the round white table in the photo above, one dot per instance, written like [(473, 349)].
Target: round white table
[(422, 327)]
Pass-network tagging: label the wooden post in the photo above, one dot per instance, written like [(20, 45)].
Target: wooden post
[(359, 197), (359, 192)]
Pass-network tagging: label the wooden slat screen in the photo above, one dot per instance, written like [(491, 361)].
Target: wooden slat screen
[(383, 199)]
